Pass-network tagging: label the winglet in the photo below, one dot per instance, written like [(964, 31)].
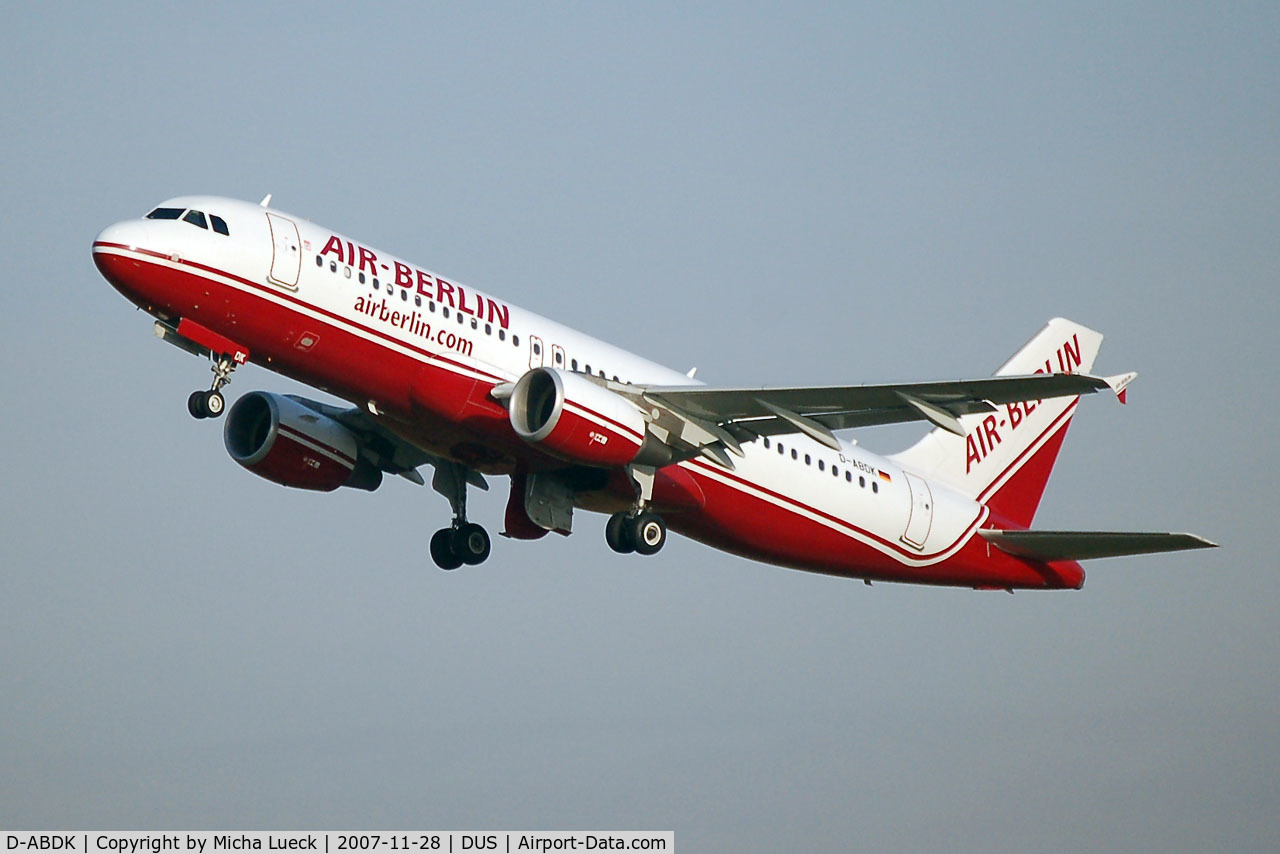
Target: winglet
[(266, 200), (1120, 384)]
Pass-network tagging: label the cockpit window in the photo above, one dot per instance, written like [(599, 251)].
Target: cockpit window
[(196, 218), (165, 213), (219, 224)]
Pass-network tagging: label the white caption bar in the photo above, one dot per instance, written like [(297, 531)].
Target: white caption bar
[(334, 842)]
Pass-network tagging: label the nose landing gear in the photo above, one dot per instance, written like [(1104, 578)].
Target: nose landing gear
[(210, 404), (206, 404)]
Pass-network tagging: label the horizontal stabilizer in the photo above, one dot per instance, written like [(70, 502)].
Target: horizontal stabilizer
[(1086, 545)]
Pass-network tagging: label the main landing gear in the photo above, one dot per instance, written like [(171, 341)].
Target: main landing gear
[(641, 531), (211, 403), (462, 542)]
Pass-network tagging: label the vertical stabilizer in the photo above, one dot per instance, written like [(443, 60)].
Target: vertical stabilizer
[(1005, 457)]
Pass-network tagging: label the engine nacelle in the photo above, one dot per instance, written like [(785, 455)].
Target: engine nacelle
[(575, 419), (276, 437)]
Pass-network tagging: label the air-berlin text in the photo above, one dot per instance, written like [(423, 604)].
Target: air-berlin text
[(986, 437), (432, 287)]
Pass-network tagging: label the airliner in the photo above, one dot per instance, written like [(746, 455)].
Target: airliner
[(440, 375)]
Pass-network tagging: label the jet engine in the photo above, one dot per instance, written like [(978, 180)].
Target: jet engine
[(279, 438), (575, 419)]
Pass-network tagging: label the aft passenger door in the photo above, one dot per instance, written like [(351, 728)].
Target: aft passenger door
[(921, 518), (286, 252)]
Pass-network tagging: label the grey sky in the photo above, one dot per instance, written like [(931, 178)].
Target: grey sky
[(799, 194)]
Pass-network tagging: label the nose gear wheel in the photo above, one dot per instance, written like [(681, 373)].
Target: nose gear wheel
[(211, 403)]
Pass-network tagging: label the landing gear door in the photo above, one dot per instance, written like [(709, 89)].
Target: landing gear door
[(286, 252), (921, 519)]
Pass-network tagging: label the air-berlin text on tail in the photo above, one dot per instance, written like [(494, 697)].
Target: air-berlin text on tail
[(984, 438), (430, 286)]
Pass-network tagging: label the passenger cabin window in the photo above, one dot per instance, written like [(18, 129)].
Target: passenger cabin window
[(196, 218), (219, 224), (165, 213)]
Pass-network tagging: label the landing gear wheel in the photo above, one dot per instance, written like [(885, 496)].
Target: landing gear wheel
[(195, 405), (442, 549), (648, 532), (618, 535), (214, 403), (471, 544)]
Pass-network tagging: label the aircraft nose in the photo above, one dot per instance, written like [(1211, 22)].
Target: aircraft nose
[(114, 255), (118, 235)]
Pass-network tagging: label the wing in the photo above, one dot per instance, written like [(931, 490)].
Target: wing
[(1086, 545), (704, 418)]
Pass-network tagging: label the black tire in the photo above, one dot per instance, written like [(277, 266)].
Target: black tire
[(442, 549), (648, 532), (214, 403), (471, 544), (195, 405), (617, 533)]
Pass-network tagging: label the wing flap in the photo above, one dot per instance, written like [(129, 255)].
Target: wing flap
[(1086, 545)]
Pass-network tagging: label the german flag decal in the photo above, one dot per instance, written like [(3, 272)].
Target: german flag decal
[(884, 475)]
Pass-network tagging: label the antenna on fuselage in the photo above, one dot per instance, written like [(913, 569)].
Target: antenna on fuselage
[(266, 200)]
